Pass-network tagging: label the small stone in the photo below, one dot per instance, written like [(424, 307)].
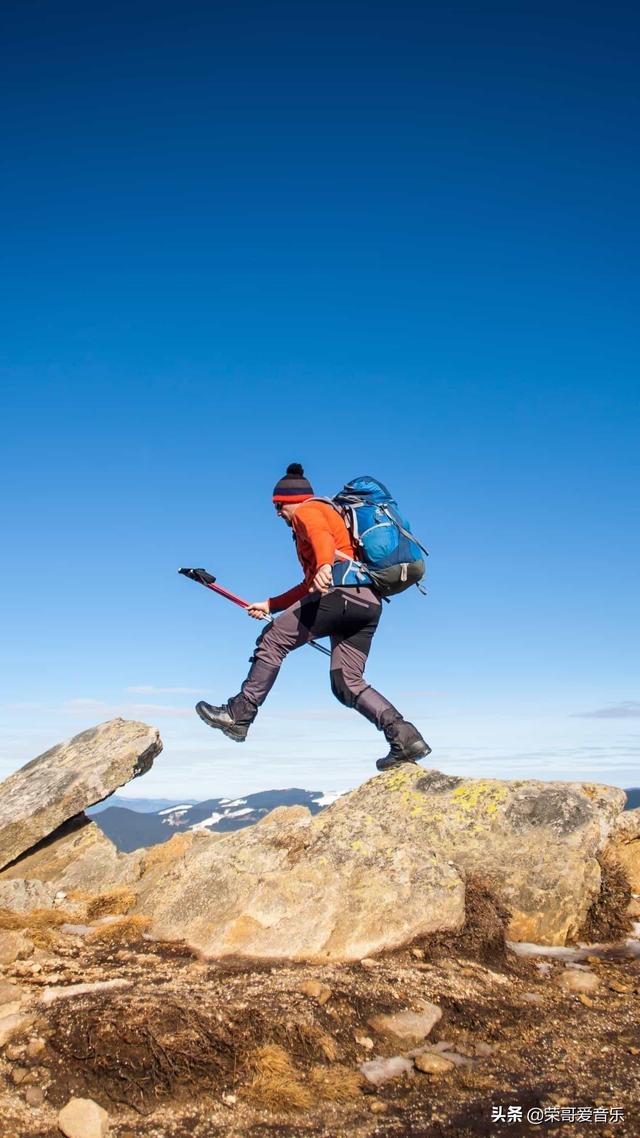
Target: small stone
[(634, 1050), (14, 946), (430, 1063), (586, 1000), (369, 964), (21, 969), (51, 994), (633, 908), (18, 1075), (10, 1009), (460, 1060), (484, 1049), (378, 1106), (9, 992), (35, 1047), (83, 1118), (34, 1096), (10, 1026), (418, 953), (35, 968), (532, 998), (316, 991), (379, 1071), (407, 1026), (229, 1099), (364, 1041), (617, 986), (574, 981), (14, 1051)]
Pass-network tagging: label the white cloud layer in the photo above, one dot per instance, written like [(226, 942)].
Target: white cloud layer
[(627, 709)]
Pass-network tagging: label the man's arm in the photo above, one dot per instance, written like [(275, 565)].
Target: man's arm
[(285, 600), (318, 533)]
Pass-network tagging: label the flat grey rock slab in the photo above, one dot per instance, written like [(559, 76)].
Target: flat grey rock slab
[(70, 777)]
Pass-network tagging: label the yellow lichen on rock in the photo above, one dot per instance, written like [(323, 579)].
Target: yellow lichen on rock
[(480, 795)]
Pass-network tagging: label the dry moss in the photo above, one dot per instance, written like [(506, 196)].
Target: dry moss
[(277, 1084), (36, 919), (128, 930), (166, 853), (335, 1084), (48, 939), (111, 903), (307, 1040)]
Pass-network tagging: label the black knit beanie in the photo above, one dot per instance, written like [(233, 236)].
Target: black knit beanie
[(293, 487)]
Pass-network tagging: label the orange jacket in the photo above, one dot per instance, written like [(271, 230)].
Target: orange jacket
[(318, 532)]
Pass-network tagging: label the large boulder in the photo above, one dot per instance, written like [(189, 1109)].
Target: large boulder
[(624, 845), (537, 841), (70, 777), (339, 886), (386, 864)]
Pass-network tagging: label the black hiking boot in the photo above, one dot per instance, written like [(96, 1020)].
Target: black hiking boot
[(407, 746), (222, 718)]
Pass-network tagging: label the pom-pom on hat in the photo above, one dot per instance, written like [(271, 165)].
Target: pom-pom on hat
[(293, 487)]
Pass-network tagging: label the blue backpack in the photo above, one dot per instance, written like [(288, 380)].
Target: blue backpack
[(389, 555)]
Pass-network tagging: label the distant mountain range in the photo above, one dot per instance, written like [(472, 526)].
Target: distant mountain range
[(132, 823), (148, 822)]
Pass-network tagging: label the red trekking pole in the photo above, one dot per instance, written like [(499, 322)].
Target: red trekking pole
[(209, 582)]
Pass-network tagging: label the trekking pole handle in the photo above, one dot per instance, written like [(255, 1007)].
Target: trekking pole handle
[(209, 581)]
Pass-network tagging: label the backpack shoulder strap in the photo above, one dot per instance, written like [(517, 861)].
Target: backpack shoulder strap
[(405, 533)]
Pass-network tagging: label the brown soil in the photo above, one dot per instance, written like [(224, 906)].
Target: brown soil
[(235, 1050), (482, 936), (607, 919)]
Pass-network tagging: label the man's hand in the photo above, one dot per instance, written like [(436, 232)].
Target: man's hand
[(258, 609), (323, 579)]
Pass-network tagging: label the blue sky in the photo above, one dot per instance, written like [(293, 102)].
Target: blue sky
[(396, 239)]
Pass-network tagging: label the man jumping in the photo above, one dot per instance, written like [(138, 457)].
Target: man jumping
[(312, 609)]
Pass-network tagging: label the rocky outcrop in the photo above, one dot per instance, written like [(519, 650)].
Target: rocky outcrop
[(379, 868), (336, 887), (76, 856), (385, 865), (70, 777)]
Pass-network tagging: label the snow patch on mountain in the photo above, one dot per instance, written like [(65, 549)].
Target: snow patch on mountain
[(210, 821), (329, 797)]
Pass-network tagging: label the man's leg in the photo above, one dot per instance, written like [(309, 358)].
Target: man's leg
[(306, 619), (291, 629), (348, 659)]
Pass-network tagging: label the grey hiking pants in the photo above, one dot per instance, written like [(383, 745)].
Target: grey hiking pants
[(350, 618)]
